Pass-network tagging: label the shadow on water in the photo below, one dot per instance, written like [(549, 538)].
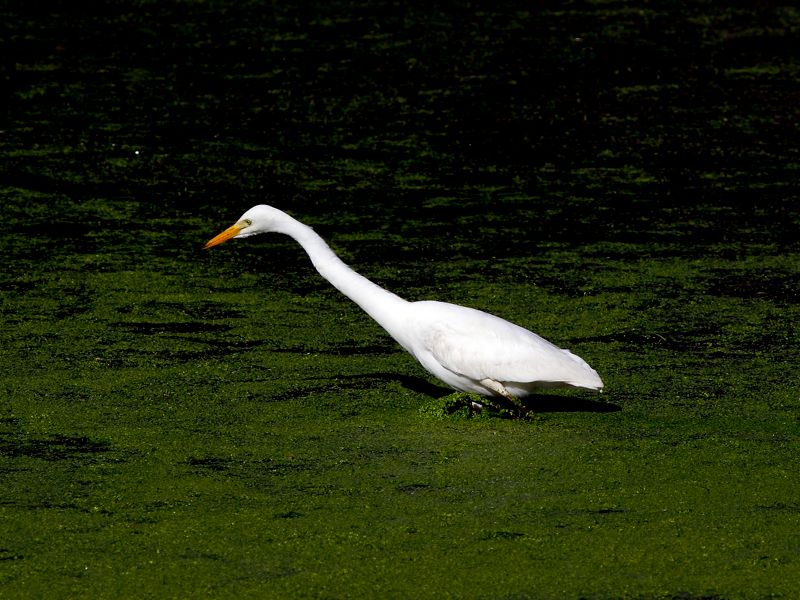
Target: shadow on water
[(415, 384), (379, 380), (539, 403)]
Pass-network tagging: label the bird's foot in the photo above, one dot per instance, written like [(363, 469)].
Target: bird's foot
[(467, 405), (504, 407), (514, 404), (463, 405), (513, 408)]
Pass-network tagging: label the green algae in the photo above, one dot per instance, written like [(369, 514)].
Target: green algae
[(181, 423)]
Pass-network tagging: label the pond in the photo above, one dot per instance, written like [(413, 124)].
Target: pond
[(618, 177)]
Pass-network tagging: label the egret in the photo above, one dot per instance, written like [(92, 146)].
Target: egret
[(468, 349)]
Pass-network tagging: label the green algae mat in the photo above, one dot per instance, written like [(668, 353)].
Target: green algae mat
[(620, 178)]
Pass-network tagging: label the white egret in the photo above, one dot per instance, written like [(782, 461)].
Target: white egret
[(468, 349)]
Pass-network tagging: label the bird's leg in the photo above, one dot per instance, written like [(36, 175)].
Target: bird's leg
[(498, 388)]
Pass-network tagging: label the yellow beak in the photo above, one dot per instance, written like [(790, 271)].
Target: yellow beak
[(230, 232)]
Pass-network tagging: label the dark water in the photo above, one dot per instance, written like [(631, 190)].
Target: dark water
[(619, 177)]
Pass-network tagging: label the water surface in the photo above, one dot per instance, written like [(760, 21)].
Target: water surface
[(619, 178)]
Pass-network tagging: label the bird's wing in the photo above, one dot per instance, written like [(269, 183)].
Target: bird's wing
[(479, 346)]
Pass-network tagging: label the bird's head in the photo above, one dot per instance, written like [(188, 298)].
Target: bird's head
[(259, 219)]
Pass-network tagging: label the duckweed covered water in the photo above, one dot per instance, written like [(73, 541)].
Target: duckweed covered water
[(180, 423)]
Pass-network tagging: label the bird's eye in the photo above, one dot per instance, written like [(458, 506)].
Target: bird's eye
[(248, 222)]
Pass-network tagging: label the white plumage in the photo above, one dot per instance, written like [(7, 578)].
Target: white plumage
[(468, 349)]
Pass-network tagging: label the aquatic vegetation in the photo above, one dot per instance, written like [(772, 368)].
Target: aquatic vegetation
[(628, 172)]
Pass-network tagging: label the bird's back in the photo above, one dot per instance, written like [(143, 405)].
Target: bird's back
[(476, 345)]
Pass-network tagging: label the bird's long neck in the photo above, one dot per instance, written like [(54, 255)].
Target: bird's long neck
[(385, 307)]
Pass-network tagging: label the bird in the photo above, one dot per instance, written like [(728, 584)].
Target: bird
[(469, 350)]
